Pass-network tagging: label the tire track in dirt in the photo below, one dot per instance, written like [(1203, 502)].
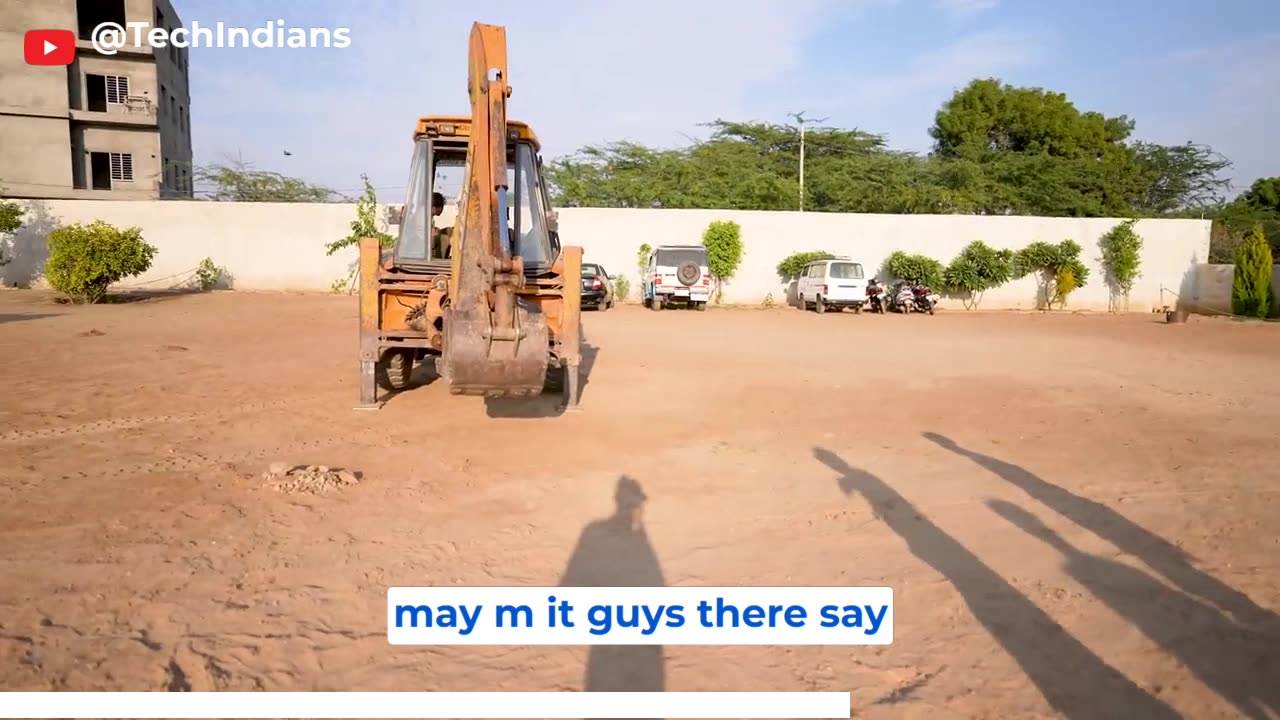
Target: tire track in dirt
[(129, 423)]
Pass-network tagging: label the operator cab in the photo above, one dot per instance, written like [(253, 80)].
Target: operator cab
[(438, 166)]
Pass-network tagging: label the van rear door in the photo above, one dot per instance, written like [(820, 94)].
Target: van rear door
[(846, 281)]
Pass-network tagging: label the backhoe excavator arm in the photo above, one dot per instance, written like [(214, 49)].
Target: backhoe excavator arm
[(494, 345)]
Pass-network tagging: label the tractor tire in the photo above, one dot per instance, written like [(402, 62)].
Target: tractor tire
[(395, 370), (555, 379)]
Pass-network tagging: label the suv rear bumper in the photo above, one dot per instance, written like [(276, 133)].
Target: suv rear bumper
[(696, 294)]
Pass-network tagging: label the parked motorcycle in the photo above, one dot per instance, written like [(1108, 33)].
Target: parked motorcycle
[(875, 303), (902, 299), (924, 298)]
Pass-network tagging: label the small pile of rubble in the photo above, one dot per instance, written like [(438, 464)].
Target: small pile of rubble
[(313, 479)]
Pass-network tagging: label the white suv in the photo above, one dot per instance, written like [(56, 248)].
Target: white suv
[(677, 273), (835, 283)]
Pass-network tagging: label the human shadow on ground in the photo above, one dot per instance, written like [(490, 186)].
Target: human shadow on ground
[(1225, 656), (1167, 559), (1075, 682), (551, 402), (615, 552)]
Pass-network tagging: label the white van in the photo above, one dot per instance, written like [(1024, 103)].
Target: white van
[(834, 283)]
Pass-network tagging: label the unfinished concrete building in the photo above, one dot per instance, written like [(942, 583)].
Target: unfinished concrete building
[(111, 127)]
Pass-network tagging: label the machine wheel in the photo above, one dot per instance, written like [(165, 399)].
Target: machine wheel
[(395, 370), (803, 305), (931, 309), (603, 305), (857, 309), (555, 379), (702, 306), (819, 306), (655, 303)]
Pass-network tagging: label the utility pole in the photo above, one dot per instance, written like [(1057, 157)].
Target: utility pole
[(800, 120)]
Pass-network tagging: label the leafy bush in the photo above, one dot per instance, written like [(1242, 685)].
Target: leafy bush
[(621, 288), (915, 269), (208, 274), (1059, 267), (723, 241), (975, 270), (1121, 257), (792, 265), (84, 260), (1251, 286), (366, 222), (11, 214), (642, 258)]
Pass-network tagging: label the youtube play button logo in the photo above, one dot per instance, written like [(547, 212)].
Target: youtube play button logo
[(49, 47)]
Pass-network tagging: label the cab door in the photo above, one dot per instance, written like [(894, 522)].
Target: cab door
[(802, 284)]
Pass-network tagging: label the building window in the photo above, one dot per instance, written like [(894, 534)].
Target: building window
[(117, 89), (122, 166), (103, 90)]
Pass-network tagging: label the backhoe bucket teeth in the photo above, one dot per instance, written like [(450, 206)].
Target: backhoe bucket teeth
[(477, 361)]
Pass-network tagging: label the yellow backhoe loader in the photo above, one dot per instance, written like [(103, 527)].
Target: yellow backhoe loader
[(494, 301)]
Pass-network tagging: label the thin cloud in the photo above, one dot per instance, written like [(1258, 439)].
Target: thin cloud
[(967, 7)]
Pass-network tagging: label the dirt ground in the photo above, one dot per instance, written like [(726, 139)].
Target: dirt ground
[(1077, 513)]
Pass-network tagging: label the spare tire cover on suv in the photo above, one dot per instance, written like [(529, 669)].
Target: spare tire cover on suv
[(689, 273)]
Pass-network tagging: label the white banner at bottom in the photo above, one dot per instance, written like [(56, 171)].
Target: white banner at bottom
[(424, 705)]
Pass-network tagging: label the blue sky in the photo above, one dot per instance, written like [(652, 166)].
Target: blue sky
[(588, 71)]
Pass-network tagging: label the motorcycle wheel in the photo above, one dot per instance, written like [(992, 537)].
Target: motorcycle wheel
[(930, 308)]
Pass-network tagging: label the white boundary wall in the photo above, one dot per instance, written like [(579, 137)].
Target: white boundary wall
[(280, 246)]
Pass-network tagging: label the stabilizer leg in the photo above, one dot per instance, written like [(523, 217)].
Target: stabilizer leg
[(569, 400), (369, 386)]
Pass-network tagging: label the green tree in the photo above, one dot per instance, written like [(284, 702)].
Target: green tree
[(642, 259), (366, 222), (723, 241), (11, 218), (1122, 259), (364, 226), (791, 266), (1059, 268), (84, 260), (1251, 286), (977, 268), (237, 181), (999, 150), (1176, 177), (989, 116), (915, 269)]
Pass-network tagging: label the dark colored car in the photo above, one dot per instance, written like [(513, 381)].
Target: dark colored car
[(597, 291)]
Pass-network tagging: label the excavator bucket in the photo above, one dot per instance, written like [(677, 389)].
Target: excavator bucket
[(476, 362)]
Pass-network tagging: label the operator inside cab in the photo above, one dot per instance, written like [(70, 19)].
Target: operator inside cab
[(440, 236)]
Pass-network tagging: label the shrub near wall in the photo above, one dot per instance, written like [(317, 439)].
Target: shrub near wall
[(1251, 283), (975, 270), (85, 260)]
